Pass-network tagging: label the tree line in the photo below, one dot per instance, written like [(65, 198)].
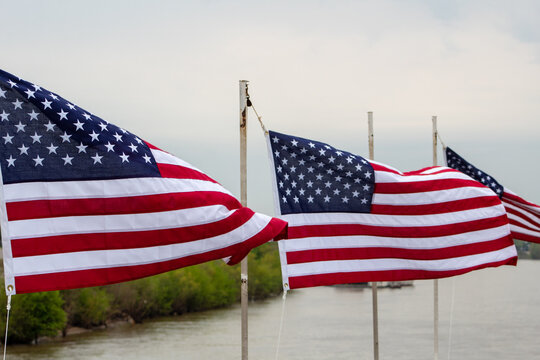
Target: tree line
[(206, 286)]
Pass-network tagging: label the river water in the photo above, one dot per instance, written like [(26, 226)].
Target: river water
[(487, 314)]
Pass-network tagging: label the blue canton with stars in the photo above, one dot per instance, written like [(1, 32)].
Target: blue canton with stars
[(313, 177), (45, 137), (455, 161)]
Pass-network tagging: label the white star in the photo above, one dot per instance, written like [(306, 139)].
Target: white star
[(124, 158), (366, 187), (310, 183), (301, 162), (367, 175), (349, 160), (46, 104), (52, 148), (301, 176), (340, 167), (281, 184), (109, 146), (30, 93), (303, 150), (23, 149), (82, 148), (310, 199), (347, 186), (123, 130), (357, 181), (7, 138), (288, 191), (338, 178), (295, 199), (279, 169), (276, 153), (2, 93), (67, 159), (69, 105), (20, 126), (311, 145), (97, 159), (103, 126), (12, 84), (318, 177), (63, 114), (339, 153), (86, 116), (318, 191), (331, 159), (329, 171), (345, 199), (38, 160), (118, 137), (284, 161), (79, 125), (322, 152), (4, 115), (11, 161), (336, 192), (328, 184), (139, 141), (36, 87), (310, 169), (364, 201), (53, 96), (147, 159), (94, 136), (36, 138), (327, 198), (293, 184), (50, 126), (284, 199), (133, 148), (286, 176), (17, 103), (294, 142), (301, 191), (276, 139), (293, 169), (65, 137), (33, 115), (355, 193)]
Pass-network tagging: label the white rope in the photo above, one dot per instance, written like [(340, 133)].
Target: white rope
[(281, 323), (258, 117), (8, 307), (451, 316)]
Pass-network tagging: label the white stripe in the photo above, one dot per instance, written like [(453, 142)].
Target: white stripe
[(520, 219), (105, 188), (532, 209), (394, 220), (20, 229), (389, 177), (522, 222), (451, 264), (163, 157), (431, 197), (363, 241), (520, 230), (114, 258)]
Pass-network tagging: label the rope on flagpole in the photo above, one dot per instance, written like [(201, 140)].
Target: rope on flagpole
[(8, 307), (442, 142), (281, 323), (451, 315), (250, 104)]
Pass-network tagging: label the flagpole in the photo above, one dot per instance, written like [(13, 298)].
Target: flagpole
[(373, 283), (243, 199), (435, 282)]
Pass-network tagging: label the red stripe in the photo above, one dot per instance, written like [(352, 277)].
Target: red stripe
[(38, 209), (180, 172), (519, 225), (438, 208), (518, 199), (388, 275), (306, 256), (524, 217), (388, 231), (95, 277), (127, 239), (423, 186), (525, 237)]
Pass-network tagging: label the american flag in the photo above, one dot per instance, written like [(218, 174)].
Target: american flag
[(524, 216), (353, 220), (87, 203)]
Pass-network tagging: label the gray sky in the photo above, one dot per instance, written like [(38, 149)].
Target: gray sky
[(168, 71)]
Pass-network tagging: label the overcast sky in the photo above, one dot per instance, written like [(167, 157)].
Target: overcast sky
[(168, 71)]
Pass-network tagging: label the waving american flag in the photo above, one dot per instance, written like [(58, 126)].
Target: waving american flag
[(354, 220), (523, 215), (87, 203)]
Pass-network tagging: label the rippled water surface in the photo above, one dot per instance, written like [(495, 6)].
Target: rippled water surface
[(496, 315)]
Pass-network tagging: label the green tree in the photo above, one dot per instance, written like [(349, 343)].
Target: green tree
[(33, 315), (87, 307)]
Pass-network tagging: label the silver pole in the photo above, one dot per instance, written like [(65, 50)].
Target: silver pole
[(243, 200), (435, 282), (373, 283)]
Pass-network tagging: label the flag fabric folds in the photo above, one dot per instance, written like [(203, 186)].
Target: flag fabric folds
[(86, 203), (353, 220), (524, 216)]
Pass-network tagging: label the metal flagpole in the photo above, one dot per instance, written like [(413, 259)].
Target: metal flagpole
[(373, 283), (243, 200), (435, 282)]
